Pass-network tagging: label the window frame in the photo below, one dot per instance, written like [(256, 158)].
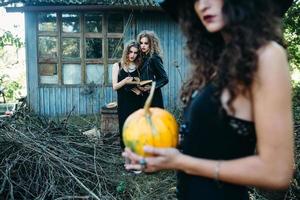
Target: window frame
[(82, 35)]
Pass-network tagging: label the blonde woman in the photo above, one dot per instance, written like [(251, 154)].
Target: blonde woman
[(123, 74)]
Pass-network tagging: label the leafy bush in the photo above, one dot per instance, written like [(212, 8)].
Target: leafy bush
[(296, 102), (291, 25), (8, 39), (11, 88)]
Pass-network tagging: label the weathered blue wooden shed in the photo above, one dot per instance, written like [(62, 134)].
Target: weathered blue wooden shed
[(72, 44)]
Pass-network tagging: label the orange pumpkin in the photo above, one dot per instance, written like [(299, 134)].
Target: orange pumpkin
[(150, 126)]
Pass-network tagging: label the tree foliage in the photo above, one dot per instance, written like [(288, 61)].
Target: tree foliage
[(291, 24), (8, 39)]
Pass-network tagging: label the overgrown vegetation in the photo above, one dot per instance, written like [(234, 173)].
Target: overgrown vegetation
[(42, 158), (291, 25), (10, 88), (8, 39)]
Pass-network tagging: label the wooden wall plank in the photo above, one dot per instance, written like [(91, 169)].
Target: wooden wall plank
[(31, 61)]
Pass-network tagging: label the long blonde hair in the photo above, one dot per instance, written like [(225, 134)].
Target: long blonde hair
[(153, 41), (124, 60)]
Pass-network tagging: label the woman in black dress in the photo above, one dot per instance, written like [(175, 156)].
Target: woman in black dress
[(123, 74), (152, 66), (238, 126)]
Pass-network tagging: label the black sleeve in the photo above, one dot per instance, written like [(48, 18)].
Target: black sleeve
[(159, 72)]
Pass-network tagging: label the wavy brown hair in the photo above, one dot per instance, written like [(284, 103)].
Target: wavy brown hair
[(250, 24), (153, 41), (125, 60)]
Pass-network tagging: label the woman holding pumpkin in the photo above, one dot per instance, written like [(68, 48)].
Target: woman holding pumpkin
[(152, 66), (123, 74), (237, 129)]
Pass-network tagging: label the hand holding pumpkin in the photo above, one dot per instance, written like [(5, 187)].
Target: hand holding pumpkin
[(150, 126), (163, 158)]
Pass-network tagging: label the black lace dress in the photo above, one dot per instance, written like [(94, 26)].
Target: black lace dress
[(128, 101), (208, 132)]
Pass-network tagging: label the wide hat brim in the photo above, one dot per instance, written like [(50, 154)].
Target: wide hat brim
[(172, 8)]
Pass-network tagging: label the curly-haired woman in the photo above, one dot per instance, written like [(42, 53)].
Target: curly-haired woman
[(123, 73), (238, 126), (152, 67)]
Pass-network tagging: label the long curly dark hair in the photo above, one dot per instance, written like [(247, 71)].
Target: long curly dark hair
[(250, 24)]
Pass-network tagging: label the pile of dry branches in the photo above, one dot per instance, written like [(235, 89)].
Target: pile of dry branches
[(46, 159)]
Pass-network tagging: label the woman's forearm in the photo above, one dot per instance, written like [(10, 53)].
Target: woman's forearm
[(250, 170), (118, 85)]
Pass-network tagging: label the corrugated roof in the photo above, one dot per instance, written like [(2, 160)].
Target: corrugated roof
[(135, 3)]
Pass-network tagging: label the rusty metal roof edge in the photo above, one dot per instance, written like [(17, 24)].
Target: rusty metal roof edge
[(81, 7)]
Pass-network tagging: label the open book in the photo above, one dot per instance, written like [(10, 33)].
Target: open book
[(137, 81)]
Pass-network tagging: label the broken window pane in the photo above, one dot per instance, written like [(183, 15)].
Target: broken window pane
[(48, 73)]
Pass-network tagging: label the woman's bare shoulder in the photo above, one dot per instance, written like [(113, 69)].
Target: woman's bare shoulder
[(271, 52), (272, 57), (272, 70), (116, 65)]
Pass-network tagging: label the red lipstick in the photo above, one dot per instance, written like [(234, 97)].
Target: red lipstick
[(208, 18)]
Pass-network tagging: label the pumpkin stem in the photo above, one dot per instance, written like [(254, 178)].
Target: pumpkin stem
[(149, 99)]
